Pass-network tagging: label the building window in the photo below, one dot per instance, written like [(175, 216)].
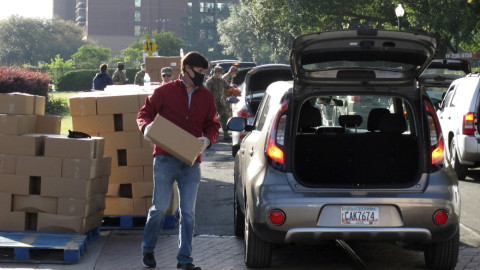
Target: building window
[(138, 3), (202, 34), (138, 31), (138, 16)]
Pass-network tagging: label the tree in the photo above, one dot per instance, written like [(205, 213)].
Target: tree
[(238, 37), (454, 22), (28, 41), (91, 56), (58, 67)]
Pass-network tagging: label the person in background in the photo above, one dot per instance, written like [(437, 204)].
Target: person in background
[(219, 87), (102, 79), (228, 77), (119, 76), (191, 106), (166, 73), (140, 75)]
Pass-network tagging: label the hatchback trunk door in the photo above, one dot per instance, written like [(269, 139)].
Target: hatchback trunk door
[(365, 56)]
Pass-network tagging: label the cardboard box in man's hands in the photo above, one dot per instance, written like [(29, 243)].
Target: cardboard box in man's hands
[(175, 140)]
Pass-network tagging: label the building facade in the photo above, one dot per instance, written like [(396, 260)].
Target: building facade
[(116, 24)]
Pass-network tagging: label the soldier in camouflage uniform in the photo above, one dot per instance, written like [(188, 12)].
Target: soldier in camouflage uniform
[(232, 72), (219, 87), (140, 75), (118, 76)]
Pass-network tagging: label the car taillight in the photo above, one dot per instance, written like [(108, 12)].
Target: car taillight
[(468, 124), (277, 217), (355, 98), (436, 135), (274, 149)]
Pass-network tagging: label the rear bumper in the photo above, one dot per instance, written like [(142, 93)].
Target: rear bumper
[(468, 148)]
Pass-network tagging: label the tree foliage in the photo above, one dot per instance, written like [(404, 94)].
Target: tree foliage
[(28, 41), (455, 22), (58, 67), (91, 56)]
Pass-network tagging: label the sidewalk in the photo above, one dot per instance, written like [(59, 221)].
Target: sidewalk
[(120, 249)]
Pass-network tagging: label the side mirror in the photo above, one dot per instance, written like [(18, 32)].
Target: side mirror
[(237, 124), (232, 100)]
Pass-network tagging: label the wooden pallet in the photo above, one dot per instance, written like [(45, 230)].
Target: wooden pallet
[(39, 247), (133, 222)]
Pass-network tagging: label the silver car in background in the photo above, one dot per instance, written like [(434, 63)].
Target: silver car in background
[(303, 177)]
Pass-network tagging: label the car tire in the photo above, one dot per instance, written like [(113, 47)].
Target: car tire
[(443, 255), (460, 170), (235, 149), (258, 253), (238, 216)]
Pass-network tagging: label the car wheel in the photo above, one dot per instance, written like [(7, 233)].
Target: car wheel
[(258, 253), (460, 170), (443, 255), (235, 149), (238, 216)]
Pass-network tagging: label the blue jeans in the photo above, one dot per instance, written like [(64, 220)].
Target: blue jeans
[(167, 170)]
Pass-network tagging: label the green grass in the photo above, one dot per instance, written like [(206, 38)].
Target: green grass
[(59, 103)]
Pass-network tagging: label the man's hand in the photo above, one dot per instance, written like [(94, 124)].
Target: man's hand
[(145, 130), (206, 143)]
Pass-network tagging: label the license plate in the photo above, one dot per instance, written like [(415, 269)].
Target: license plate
[(359, 215)]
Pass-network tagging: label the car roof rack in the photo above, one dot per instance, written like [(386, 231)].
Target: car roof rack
[(473, 75)]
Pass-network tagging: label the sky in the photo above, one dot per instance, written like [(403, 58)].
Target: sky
[(26, 8)]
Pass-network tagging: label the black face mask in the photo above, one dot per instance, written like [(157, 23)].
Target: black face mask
[(198, 79)]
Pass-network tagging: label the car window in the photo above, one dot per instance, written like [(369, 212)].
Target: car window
[(448, 97), (262, 113)]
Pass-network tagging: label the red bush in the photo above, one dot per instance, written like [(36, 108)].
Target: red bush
[(15, 79)]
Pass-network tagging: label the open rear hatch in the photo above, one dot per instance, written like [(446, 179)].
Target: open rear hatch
[(367, 56)]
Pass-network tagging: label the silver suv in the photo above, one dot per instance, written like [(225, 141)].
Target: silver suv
[(458, 116), (309, 171)]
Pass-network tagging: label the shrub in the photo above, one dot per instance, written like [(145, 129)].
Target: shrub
[(81, 80), (15, 79), (57, 106)]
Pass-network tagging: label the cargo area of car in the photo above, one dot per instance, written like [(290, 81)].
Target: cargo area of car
[(384, 154)]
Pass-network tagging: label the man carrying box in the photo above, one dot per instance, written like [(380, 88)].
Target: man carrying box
[(189, 105)]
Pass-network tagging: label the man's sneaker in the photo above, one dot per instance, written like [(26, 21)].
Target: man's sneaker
[(187, 266), (148, 260)]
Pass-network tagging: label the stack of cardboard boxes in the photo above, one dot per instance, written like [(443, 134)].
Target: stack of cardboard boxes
[(112, 115), (48, 182)]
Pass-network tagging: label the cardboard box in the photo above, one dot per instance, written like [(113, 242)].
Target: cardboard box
[(130, 122), (17, 124), (27, 145), (174, 140), (17, 103), (66, 187), (122, 140), (85, 168), (142, 189), (81, 207), (94, 124), (113, 190), (15, 184), (140, 206), (48, 124), (13, 221), (62, 146), (148, 173), (5, 202), (39, 107), (7, 164), (83, 104), (39, 166), (139, 157), (117, 103), (126, 175), (68, 224), (34, 204), (119, 206)]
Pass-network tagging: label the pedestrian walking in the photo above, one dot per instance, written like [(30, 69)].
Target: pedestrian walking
[(102, 79), (140, 75), (119, 76), (219, 87), (191, 106)]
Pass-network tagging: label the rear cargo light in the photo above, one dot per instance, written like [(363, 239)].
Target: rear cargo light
[(436, 135), (274, 149), (469, 124), (440, 217), (277, 217)]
